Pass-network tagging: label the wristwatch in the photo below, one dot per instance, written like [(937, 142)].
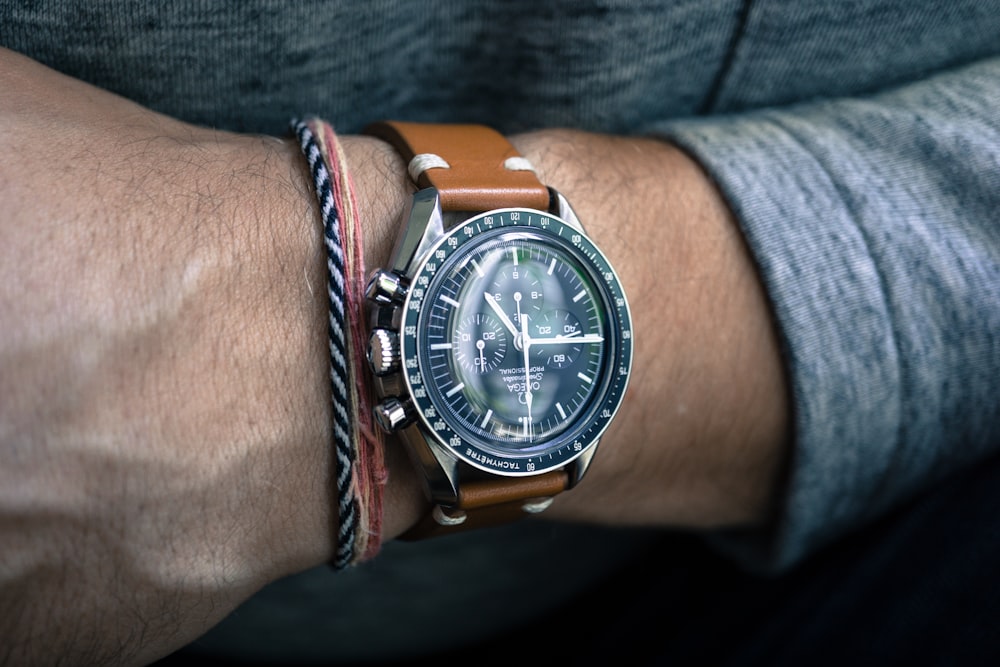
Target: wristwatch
[(501, 340)]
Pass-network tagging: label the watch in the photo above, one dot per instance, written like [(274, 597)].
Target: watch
[(501, 340)]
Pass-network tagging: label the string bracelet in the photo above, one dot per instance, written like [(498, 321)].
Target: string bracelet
[(370, 472), (358, 448)]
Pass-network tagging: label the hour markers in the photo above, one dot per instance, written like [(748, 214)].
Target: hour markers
[(552, 266), (441, 346), (454, 390), (449, 300), (486, 419), (478, 268), (579, 295), (559, 409), (513, 254), (585, 378)]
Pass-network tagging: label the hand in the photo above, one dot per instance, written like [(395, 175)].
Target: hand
[(502, 315), (480, 345), (528, 396), (574, 337)]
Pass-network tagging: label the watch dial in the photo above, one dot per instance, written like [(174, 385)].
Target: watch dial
[(522, 341)]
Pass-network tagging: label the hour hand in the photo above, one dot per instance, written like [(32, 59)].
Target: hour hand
[(499, 311)]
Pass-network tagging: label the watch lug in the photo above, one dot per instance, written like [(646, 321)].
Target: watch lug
[(423, 226), (440, 468), (564, 210), (578, 467)]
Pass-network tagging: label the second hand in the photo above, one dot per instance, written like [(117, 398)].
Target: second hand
[(525, 344)]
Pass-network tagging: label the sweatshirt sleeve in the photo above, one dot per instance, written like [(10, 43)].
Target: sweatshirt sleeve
[(875, 225)]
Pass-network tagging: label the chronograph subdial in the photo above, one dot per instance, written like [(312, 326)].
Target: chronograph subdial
[(480, 343), (551, 326)]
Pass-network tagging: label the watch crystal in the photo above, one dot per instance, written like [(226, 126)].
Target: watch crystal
[(517, 341)]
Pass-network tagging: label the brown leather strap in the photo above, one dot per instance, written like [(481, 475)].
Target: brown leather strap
[(472, 169), (491, 502), (478, 176)]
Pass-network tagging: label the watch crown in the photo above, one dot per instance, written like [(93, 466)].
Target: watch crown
[(383, 352), (385, 287), (393, 414)]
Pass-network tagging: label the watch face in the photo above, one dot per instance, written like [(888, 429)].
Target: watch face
[(517, 342)]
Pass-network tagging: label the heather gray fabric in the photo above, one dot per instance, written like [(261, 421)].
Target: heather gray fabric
[(858, 143), (876, 225)]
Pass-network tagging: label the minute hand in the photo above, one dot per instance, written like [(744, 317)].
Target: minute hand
[(592, 338), (502, 315)]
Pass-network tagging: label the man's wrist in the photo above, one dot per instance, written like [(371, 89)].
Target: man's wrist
[(703, 433), (382, 190), (712, 452)]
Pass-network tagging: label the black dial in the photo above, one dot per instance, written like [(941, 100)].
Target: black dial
[(517, 400), (521, 339)]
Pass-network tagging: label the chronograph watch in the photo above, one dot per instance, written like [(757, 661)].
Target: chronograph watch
[(501, 341)]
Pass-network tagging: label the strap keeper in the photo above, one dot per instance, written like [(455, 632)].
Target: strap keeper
[(518, 163), (536, 505), (424, 161), (443, 518)]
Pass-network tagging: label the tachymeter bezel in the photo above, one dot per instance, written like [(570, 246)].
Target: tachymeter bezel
[(604, 405)]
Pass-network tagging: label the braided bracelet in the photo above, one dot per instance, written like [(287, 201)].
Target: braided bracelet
[(358, 449)]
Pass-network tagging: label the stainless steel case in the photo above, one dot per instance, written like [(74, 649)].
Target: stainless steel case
[(424, 226)]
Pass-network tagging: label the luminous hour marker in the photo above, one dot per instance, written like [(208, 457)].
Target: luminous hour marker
[(559, 409), (478, 268), (585, 378), (441, 346), (579, 295), (513, 253), (486, 419), (454, 390), (449, 300), (552, 266)]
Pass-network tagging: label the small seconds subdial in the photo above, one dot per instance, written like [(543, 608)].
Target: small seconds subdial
[(480, 343)]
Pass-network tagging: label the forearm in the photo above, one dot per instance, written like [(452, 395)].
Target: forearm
[(165, 388), (164, 398)]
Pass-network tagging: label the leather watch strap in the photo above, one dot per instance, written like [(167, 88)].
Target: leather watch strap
[(491, 502), (473, 167)]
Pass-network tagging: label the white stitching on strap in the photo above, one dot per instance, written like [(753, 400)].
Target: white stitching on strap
[(518, 163), (424, 161)]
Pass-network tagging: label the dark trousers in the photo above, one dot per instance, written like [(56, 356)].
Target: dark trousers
[(920, 587)]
